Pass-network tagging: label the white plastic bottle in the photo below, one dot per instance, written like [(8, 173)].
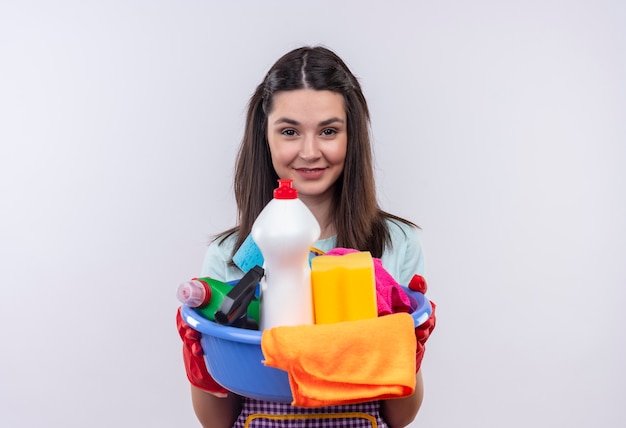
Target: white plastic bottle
[(285, 231)]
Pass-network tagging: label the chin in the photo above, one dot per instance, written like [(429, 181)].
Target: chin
[(313, 191)]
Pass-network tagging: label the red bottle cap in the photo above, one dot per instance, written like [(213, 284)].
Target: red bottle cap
[(284, 189)]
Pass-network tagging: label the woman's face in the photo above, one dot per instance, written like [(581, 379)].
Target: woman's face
[(307, 135)]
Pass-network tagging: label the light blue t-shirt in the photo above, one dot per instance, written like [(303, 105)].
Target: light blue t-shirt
[(402, 260)]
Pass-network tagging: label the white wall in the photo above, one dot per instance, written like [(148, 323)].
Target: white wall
[(499, 128)]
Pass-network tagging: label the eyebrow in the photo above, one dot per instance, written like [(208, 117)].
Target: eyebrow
[(295, 122)]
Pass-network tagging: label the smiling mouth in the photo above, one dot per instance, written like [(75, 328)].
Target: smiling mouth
[(309, 169)]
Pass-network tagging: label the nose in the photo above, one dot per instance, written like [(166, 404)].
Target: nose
[(309, 149)]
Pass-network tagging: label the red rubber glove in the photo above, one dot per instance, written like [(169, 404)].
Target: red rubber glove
[(422, 332), (193, 356)]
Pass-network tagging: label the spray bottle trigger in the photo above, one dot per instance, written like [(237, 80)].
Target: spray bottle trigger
[(233, 310)]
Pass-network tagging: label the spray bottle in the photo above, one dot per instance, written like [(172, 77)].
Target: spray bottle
[(208, 295)]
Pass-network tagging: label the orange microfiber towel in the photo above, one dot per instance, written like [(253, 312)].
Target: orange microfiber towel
[(345, 362)]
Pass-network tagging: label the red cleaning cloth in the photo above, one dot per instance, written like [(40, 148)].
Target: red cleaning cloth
[(358, 362), (390, 298)]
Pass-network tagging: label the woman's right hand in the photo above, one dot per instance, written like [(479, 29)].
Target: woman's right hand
[(214, 406), (193, 357)]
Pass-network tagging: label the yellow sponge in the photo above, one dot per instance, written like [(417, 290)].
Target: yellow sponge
[(344, 287)]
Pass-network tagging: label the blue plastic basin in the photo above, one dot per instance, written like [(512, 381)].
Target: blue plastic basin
[(234, 358)]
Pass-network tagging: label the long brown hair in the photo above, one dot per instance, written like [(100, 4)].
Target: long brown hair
[(359, 221)]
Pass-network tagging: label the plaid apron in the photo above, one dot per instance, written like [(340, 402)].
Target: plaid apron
[(268, 414)]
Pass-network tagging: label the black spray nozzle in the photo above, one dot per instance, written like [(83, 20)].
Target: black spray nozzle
[(233, 310)]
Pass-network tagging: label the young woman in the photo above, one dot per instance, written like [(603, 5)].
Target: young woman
[(309, 121)]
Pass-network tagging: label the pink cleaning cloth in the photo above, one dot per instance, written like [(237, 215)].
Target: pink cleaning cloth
[(390, 297)]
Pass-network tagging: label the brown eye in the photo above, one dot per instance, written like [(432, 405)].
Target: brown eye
[(329, 132), (288, 132)]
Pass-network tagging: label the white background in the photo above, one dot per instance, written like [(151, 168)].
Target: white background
[(499, 127)]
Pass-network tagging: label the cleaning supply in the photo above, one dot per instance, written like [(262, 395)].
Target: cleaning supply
[(234, 306), (344, 287), (359, 361), (248, 255), (284, 231), (206, 295), (390, 297)]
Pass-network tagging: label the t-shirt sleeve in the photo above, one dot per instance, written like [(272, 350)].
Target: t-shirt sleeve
[(216, 262), (414, 256), (405, 258)]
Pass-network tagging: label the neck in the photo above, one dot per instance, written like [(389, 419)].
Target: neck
[(321, 210), (327, 230)]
